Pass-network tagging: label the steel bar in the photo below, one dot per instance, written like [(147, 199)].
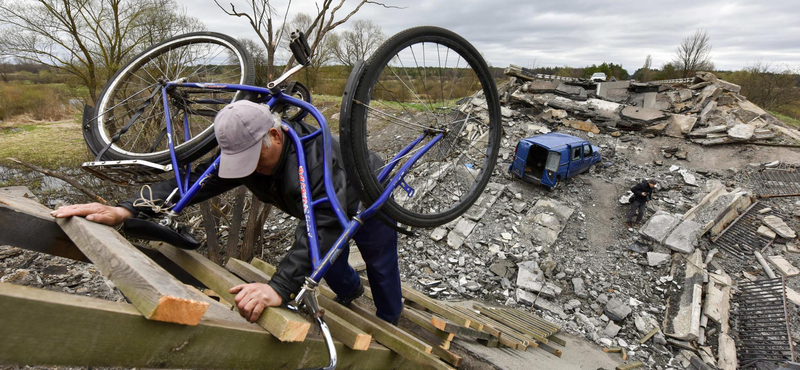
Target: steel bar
[(762, 322)]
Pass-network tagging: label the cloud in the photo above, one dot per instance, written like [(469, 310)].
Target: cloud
[(578, 33)]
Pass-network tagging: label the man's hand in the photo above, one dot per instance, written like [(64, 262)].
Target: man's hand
[(252, 299), (95, 212), (644, 194)]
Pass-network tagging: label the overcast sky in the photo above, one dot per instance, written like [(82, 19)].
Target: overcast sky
[(576, 33)]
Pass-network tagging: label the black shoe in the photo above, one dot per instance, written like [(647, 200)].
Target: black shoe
[(395, 321), (345, 301)]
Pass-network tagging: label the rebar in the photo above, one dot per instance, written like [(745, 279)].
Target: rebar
[(741, 238), (761, 321), (779, 181)]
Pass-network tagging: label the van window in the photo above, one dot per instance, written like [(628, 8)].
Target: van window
[(587, 150), (576, 153), (552, 161)]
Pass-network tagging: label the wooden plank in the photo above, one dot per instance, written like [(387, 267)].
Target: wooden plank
[(28, 225), (283, 324), (46, 328), (341, 330), (153, 291), (364, 313), (435, 307), (423, 322), (511, 323), (533, 320), (395, 343), (506, 339)]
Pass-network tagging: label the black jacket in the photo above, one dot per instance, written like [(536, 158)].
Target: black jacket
[(642, 187), (282, 189)]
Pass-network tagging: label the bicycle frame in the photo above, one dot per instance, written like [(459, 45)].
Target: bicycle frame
[(349, 226)]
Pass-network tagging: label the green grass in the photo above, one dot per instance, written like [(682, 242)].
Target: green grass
[(794, 122), (50, 145)]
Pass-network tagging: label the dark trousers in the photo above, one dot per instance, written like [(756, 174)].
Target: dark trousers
[(637, 204), (378, 246)]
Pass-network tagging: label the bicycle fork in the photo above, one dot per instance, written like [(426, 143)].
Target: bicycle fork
[(310, 303)]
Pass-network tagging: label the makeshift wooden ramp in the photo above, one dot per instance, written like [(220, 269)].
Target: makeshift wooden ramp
[(169, 324)]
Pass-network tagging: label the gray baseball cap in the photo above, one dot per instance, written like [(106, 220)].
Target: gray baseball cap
[(239, 128)]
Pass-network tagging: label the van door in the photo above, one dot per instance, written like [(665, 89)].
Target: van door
[(520, 155), (587, 157), (551, 169), (575, 160)]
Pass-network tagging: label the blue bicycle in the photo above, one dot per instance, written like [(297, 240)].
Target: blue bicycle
[(426, 102)]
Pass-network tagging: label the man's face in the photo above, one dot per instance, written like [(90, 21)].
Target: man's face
[(270, 156), (651, 185)]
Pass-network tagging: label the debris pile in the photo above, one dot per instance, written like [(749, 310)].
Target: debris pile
[(706, 110)]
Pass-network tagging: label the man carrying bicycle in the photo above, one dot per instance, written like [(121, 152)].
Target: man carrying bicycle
[(255, 154)]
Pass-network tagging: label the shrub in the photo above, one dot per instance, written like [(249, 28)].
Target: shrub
[(40, 102)]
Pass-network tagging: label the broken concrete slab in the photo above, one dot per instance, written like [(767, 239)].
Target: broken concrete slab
[(659, 226), (707, 95), (684, 237), (679, 125), (727, 353), (454, 240), (749, 106), (582, 125), (613, 91), (579, 288), (706, 112), (685, 324), (611, 330), (642, 114), (574, 92), (657, 259), (741, 132), (540, 303), (779, 227), (464, 227), (732, 87), (766, 232), (617, 310), (783, 266), (540, 86), (688, 177), (438, 234)]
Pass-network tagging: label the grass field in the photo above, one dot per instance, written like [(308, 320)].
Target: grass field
[(787, 120), (45, 144)]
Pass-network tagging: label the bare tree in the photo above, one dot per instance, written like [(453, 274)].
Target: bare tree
[(259, 55), (5, 67), (358, 42), (693, 54), (647, 73), (262, 17), (89, 39)]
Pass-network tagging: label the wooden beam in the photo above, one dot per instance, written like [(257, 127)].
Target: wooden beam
[(46, 328), (513, 323), (506, 336), (280, 322), (423, 322), (342, 330), (433, 306), (388, 339), (28, 225), (153, 291)]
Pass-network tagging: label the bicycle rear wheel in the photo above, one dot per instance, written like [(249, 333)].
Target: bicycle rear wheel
[(201, 57), (425, 81)]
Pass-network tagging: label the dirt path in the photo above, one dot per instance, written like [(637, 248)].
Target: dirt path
[(710, 158)]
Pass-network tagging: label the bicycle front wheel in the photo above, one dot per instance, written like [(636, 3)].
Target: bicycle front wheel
[(425, 82), (133, 94)]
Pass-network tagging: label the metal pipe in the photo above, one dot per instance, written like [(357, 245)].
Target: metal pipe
[(763, 262)]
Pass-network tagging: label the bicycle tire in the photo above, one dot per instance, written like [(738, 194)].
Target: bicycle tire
[(238, 68), (361, 135), (301, 92)]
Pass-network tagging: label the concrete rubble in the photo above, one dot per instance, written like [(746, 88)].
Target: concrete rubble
[(706, 110)]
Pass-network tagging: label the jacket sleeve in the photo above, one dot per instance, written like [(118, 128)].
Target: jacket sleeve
[(296, 265), (160, 191)]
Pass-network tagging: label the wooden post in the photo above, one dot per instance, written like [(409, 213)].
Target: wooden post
[(210, 226), (280, 322), (153, 291), (231, 249), (46, 328)]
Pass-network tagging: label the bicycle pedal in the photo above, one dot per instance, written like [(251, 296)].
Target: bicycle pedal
[(409, 190), (127, 172)]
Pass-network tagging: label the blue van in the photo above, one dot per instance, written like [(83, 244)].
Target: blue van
[(549, 158)]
